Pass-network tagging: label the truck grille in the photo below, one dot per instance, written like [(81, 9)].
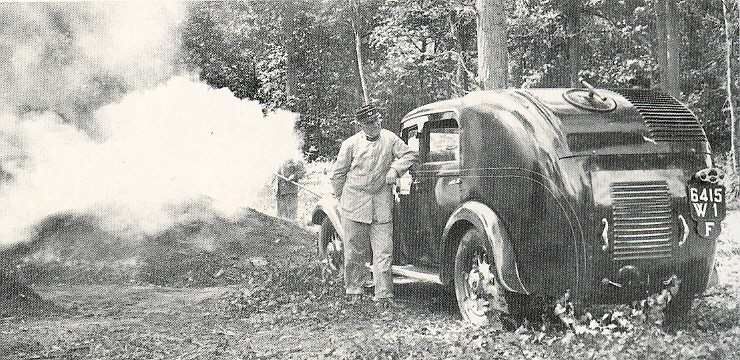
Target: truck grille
[(666, 118), (642, 220)]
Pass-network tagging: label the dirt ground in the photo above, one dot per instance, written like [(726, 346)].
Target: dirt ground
[(248, 288), (252, 288)]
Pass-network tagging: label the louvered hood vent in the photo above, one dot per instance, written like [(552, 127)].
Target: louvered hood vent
[(666, 118), (642, 220)]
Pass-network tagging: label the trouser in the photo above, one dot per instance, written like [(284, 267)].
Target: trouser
[(287, 206), (360, 239)]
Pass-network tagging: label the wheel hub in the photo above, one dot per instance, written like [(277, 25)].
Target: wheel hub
[(334, 255), (483, 296)]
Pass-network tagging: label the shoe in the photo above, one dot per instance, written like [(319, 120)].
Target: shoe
[(387, 303), (353, 299)]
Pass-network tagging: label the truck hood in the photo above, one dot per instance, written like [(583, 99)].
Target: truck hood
[(631, 121)]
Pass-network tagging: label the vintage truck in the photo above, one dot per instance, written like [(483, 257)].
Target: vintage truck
[(609, 195)]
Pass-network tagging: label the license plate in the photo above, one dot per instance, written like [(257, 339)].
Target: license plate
[(707, 201)]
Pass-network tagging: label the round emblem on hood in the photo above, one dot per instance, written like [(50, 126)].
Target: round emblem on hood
[(588, 100)]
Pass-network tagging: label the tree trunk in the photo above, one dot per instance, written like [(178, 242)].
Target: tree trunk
[(424, 94), (355, 19), (573, 28), (660, 50), (461, 74), (730, 100), (492, 50), (673, 44), (290, 51)]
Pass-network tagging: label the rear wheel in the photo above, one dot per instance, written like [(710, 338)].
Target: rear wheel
[(481, 299), (331, 248)]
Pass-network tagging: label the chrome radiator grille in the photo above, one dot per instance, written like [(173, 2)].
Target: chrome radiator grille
[(642, 220)]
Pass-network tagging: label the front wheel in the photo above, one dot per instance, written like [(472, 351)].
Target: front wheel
[(481, 299), (330, 246)]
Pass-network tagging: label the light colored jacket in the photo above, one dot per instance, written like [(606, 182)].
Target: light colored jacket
[(359, 173)]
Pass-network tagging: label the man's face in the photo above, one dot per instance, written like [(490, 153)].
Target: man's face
[(371, 129)]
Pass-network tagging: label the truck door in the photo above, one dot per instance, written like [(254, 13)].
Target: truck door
[(435, 185), (405, 217)]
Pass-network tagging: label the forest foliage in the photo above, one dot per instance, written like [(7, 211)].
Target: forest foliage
[(300, 54)]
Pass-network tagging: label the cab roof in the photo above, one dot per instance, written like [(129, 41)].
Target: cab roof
[(595, 121), (655, 115)]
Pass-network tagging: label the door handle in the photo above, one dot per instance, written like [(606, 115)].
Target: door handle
[(414, 187)]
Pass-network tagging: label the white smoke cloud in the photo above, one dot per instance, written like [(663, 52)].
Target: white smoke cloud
[(164, 148), (94, 119)]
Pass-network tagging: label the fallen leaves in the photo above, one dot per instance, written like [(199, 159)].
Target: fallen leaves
[(288, 302)]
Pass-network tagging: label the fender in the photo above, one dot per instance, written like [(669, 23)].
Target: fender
[(328, 207), (486, 220)]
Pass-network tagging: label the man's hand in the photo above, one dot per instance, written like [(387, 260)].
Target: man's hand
[(390, 177)]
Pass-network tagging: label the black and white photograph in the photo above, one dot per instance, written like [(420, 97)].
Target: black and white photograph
[(370, 179)]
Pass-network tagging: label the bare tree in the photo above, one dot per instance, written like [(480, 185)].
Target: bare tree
[(492, 51)]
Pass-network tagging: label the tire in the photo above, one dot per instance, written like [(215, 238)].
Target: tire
[(330, 247), (481, 299)]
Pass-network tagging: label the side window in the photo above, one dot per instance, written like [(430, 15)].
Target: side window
[(444, 141)]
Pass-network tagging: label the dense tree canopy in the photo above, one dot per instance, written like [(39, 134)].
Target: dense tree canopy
[(299, 54)]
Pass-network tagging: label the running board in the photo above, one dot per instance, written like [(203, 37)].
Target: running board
[(418, 273)]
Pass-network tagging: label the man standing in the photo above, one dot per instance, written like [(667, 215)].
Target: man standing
[(367, 165), (287, 191)]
